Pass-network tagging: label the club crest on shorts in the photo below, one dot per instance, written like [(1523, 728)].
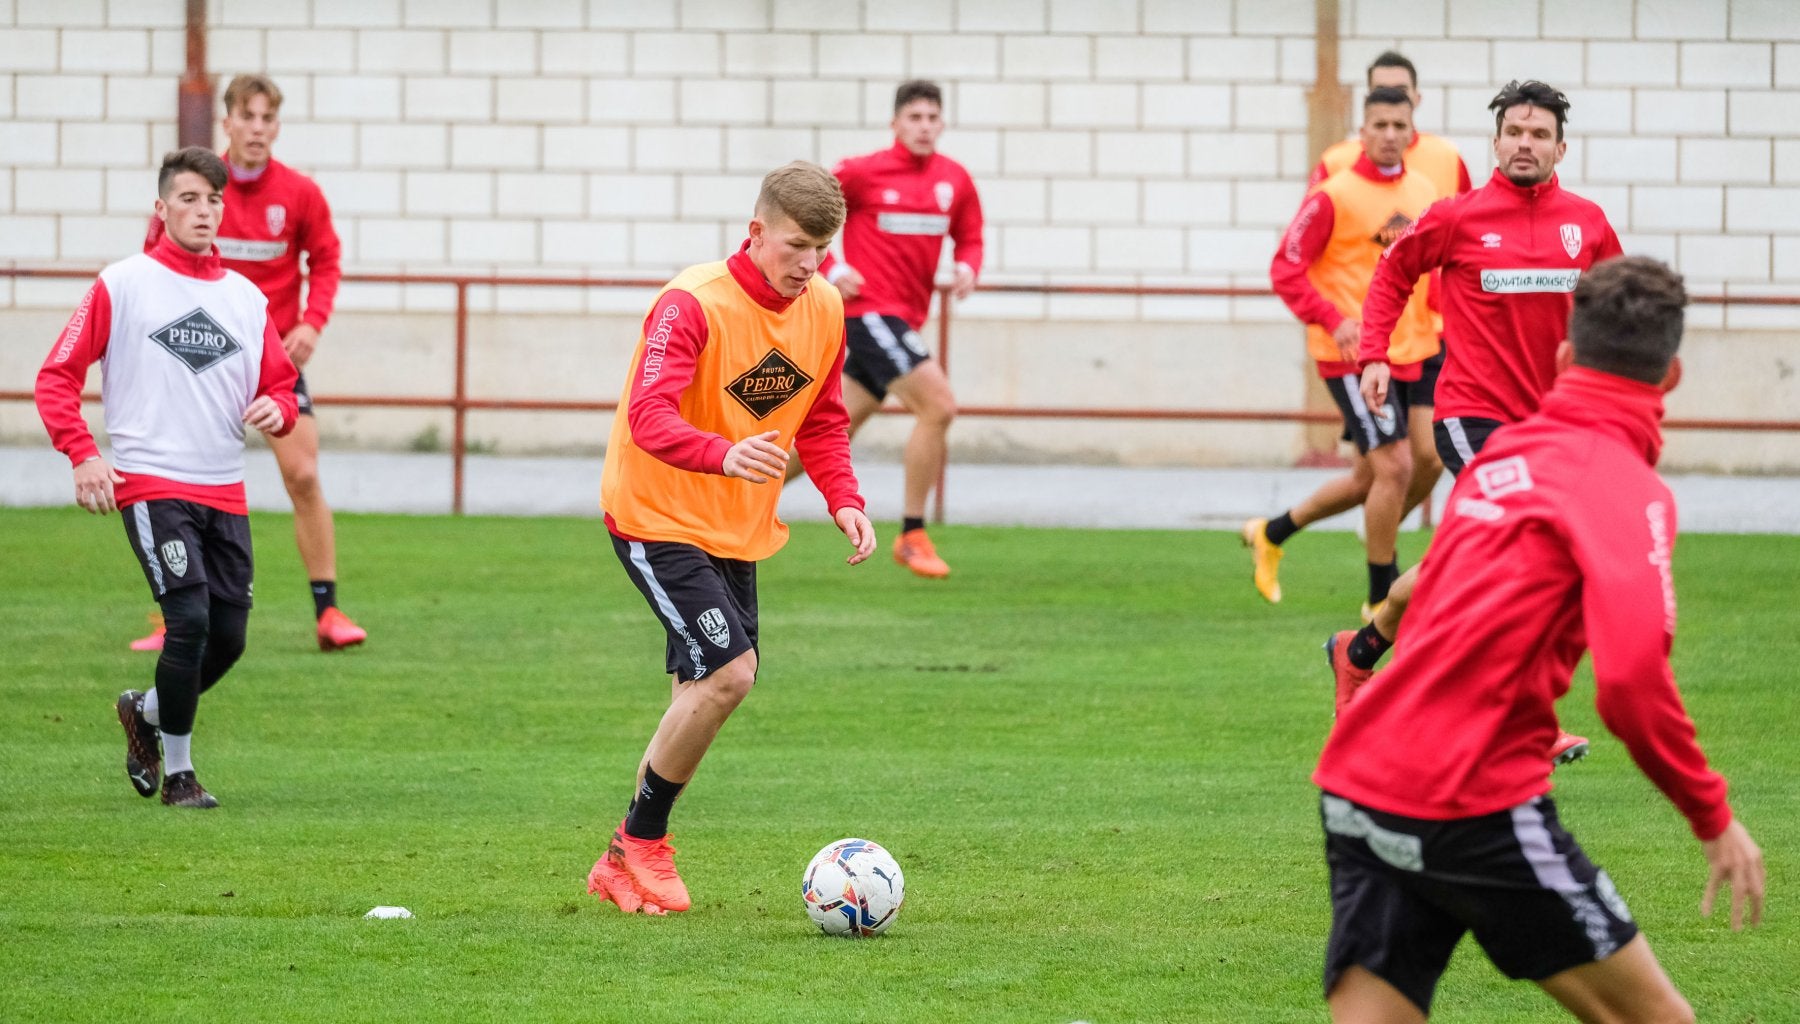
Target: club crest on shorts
[(1571, 239), (174, 555), (944, 192), (276, 217), (712, 623)]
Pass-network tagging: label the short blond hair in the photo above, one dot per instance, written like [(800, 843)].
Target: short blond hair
[(243, 87), (805, 193)]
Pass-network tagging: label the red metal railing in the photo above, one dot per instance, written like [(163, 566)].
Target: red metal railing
[(460, 402)]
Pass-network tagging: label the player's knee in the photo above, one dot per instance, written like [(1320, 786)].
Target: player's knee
[(225, 643), (939, 412), (186, 624), (301, 477), (731, 682)]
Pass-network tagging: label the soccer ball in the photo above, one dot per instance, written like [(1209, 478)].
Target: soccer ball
[(853, 888)]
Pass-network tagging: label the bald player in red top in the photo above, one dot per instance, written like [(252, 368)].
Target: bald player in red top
[(1561, 532)]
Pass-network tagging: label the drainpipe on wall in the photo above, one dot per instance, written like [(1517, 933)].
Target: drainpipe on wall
[(194, 118), (1327, 122)]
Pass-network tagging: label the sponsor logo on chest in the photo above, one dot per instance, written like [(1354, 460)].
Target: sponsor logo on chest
[(1526, 279), (197, 340), (768, 385), (1384, 236)]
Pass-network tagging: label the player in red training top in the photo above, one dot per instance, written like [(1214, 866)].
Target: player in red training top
[(1510, 254), (274, 213), (189, 357), (1560, 532), (902, 201)]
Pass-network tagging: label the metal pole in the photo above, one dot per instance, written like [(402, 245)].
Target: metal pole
[(459, 402), (937, 507), (194, 97), (1327, 121)]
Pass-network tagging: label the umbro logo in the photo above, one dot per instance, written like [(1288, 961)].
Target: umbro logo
[(197, 340), (769, 385), (1490, 241)]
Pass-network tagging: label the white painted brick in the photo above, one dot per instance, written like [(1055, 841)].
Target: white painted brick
[(500, 146), (1787, 65), (1629, 160), (1140, 249), (1737, 64), (837, 143), (1710, 258), (374, 193), (27, 50), (1187, 106), (1787, 161), (538, 100), (1045, 57), (631, 14), (1185, 16), (1233, 155), (121, 51), (1299, 60), (1233, 59), (1590, 19), (719, 197), (128, 189), (494, 53), (816, 15), (163, 140), (1056, 153), (1297, 161), (586, 149), (631, 101), (1787, 259), (579, 242), (1230, 250), (958, 57), (918, 16), (1408, 19), (1139, 58), (365, 298), (62, 97), (877, 104), (1466, 112), (977, 151), (1090, 16), (632, 195), (1560, 64), (140, 99), (6, 194), (1265, 204), (541, 195), (493, 241), (1751, 210), (1006, 16), (1659, 246), (1734, 161), (356, 13), (99, 238), (260, 13), (713, 15), (60, 191), (556, 14), (755, 150), (1604, 111), (1613, 200), (449, 99), (1762, 19), (722, 101), (1270, 106), (584, 53), (1015, 201), (356, 97), (1765, 113), (1677, 209), (1140, 154), (679, 149), (1277, 17), (1094, 202), (1681, 19), (858, 56), (1454, 62), (402, 240), (28, 238), (1093, 106), (320, 143), (1631, 64), (456, 193), (815, 103), (233, 51), (311, 51), (419, 52), (103, 145), (448, 13), (57, 13), (1049, 248), (410, 146), (773, 54), (1096, 308), (1484, 19), (1657, 109), (672, 53), (678, 244)]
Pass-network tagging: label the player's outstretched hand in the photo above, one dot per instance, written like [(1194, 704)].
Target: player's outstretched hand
[(1737, 862), (1375, 385), (859, 530), (264, 415), (757, 458), (94, 483)]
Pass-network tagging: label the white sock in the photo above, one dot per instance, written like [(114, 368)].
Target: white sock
[(152, 708), (175, 753)]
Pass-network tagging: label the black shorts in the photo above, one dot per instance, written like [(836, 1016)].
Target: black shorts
[(302, 397), (706, 604), (1404, 891), (1361, 424), (1460, 438), (880, 348), (1422, 393), (184, 544)]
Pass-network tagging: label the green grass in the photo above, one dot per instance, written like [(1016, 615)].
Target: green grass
[(1088, 750)]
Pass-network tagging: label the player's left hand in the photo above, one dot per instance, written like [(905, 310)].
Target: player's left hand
[(1736, 863), (964, 285), (300, 343), (1348, 337), (264, 415), (859, 530)]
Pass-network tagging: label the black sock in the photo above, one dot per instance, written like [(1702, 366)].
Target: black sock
[(910, 523), (1367, 647), (1381, 577), (1280, 529), (649, 815), (324, 596)]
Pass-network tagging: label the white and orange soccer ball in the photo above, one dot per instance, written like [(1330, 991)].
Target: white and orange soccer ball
[(853, 889)]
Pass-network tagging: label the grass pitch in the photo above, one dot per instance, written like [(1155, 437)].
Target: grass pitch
[(1088, 750)]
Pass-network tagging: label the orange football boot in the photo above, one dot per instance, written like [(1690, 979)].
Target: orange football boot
[(1349, 677), (337, 632), (913, 549), (649, 864)]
